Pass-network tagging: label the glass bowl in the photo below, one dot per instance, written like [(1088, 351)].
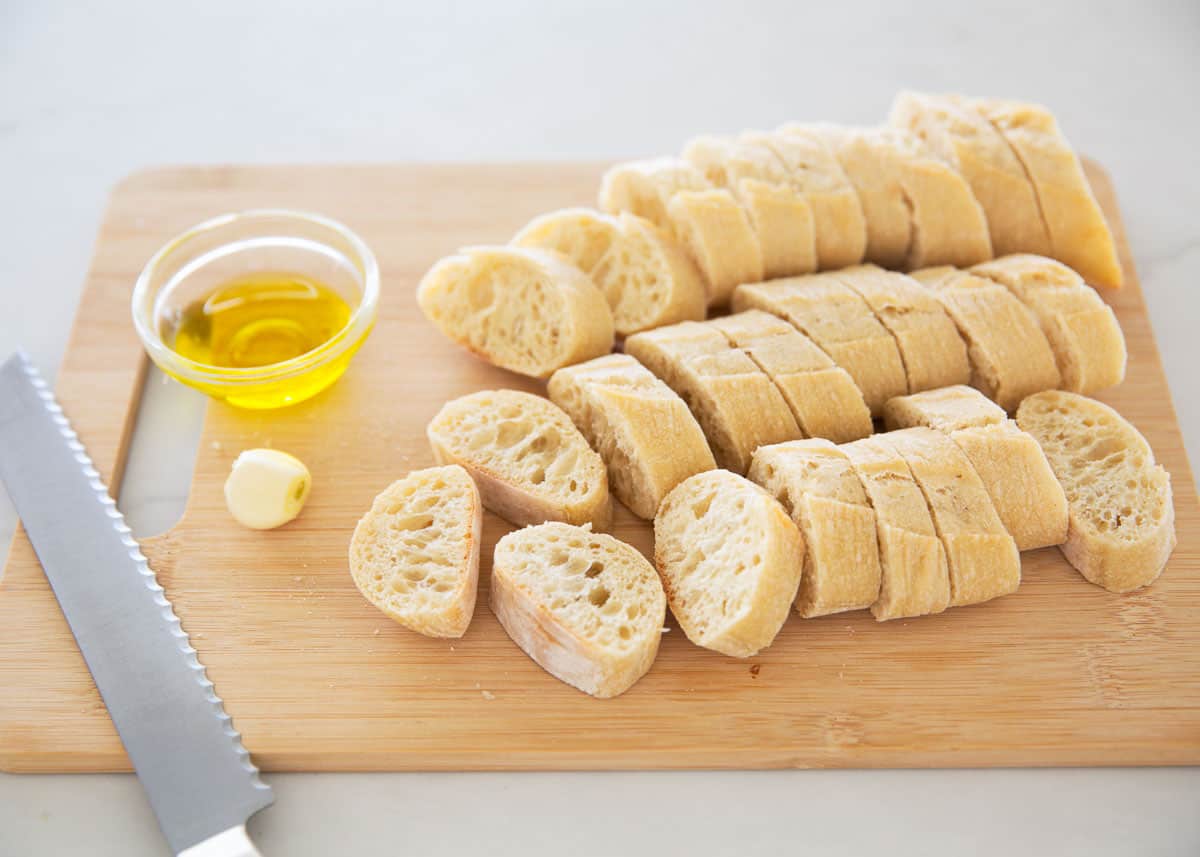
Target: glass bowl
[(232, 246)]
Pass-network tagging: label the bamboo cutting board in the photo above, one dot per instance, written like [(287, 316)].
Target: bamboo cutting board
[(1061, 673)]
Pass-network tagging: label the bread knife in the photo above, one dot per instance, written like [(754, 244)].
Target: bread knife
[(189, 758)]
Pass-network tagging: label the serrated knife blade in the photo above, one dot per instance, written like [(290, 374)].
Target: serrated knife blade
[(189, 758)]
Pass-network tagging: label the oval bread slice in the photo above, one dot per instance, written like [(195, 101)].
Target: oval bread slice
[(730, 560), (587, 608), (527, 310), (415, 554), (1122, 517), (530, 462)]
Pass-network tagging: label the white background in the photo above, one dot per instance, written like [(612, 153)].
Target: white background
[(92, 91)]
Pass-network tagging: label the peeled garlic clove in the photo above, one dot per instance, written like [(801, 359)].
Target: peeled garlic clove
[(267, 488)]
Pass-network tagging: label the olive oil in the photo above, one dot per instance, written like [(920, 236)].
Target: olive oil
[(258, 320)]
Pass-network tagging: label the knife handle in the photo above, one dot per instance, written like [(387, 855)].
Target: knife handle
[(233, 842)]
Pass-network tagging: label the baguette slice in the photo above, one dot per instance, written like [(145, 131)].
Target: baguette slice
[(972, 146), (730, 561), (982, 557), (735, 402), (645, 188), (816, 484), (1014, 470), (934, 354), (587, 608), (646, 276), (822, 396), (841, 323), (527, 310), (915, 579), (529, 461), (415, 554), (644, 432), (1080, 327), (718, 234), (1122, 515), (1010, 357)]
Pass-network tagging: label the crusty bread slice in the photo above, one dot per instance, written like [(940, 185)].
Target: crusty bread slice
[(730, 561), (645, 188), (815, 482), (644, 432), (646, 276), (529, 461), (983, 559), (1010, 357), (735, 402), (522, 309), (934, 354), (1079, 234), (823, 397), (915, 579), (718, 234), (587, 608), (1080, 327), (415, 554), (840, 322), (973, 146), (1122, 515), (1030, 502)]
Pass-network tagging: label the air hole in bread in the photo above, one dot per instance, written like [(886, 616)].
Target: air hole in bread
[(594, 569), (598, 596)]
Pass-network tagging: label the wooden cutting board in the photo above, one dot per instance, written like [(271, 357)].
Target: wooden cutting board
[(1061, 673)]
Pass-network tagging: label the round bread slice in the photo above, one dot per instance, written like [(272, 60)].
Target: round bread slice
[(730, 560), (530, 462), (586, 607), (415, 554)]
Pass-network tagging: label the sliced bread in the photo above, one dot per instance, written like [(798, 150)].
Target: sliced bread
[(645, 188), (720, 237), (529, 461), (527, 310), (587, 608), (1122, 517), (947, 409), (642, 429), (415, 554), (730, 561)]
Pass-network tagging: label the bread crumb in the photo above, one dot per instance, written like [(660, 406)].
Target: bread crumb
[(296, 579), (666, 630), (452, 648), (376, 632), (488, 695)]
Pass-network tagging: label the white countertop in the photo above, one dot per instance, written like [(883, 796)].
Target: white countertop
[(90, 93)]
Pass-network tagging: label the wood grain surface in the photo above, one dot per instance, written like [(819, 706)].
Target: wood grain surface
[(1061, 673)]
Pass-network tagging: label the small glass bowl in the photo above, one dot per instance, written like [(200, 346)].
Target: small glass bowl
[(231, 246)]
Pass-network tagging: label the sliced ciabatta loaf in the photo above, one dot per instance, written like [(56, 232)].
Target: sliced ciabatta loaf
[(415, 554), (1122, 515), (982, 557), (522, 309), (529, 461), (642, 429), (730, 560), (1014, 470), (646, 276), (1080, 327), (816, 483), (587, 608)]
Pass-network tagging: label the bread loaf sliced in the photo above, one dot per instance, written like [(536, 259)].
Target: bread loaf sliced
[(1010, 357), (587, 608), (415, 554), (981, 555), (915, 579), (822, 396), (972, 146), (730, 561), (522, 309), (718, 234), (934, 354), (1080, 327), (1122, 517), (646, 435), (646, 276), (645, 188), (735, 402), (841, 323), (816, 484), (1079, 234), (529, 461), (1014, 471)]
